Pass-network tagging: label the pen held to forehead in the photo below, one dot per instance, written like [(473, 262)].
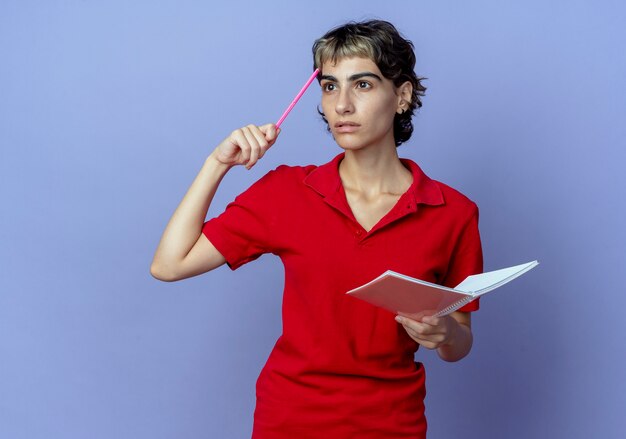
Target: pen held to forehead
[(297, 98)]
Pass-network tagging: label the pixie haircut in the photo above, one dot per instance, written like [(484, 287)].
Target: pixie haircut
[(381, 42)]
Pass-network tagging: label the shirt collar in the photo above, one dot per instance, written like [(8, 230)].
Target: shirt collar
[(325, 180)]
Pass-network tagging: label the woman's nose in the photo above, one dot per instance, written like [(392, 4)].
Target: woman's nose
[(344, 102)]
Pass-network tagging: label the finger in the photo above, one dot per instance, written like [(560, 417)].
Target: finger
[(252, 142), (414, 325), (239, 139), (270, 131), (260, 135), (413, 334), (427, 342), (433, 341), (413, 316), (431, 320), (257, 153)]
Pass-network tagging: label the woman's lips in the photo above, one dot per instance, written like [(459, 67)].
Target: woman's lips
[(346, 127)]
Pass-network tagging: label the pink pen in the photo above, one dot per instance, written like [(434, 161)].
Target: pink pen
[(297, 98)]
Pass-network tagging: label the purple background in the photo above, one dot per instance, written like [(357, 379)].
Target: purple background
[(107, 111)]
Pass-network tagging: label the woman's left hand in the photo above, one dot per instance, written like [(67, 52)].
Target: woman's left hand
[(451, 335), (430, 332)]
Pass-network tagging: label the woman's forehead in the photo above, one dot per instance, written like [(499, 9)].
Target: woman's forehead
[(347, 66)]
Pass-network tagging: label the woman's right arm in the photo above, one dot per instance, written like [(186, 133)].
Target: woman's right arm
[(183, 250)]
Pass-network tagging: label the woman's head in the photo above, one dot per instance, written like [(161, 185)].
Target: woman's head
[(380, 42)]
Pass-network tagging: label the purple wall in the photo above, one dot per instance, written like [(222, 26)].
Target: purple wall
[(107, 110)]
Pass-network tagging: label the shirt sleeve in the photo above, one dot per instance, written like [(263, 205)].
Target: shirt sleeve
[(243, 232), (467, 258)]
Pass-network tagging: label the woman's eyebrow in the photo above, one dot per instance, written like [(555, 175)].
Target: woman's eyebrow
[(354, 77), (358, 76)]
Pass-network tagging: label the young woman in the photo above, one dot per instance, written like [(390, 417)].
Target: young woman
[(342, 368)]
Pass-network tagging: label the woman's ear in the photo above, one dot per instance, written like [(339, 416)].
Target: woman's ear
[(405, 93)]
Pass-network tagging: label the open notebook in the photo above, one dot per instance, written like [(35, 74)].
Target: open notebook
[(397, 292)]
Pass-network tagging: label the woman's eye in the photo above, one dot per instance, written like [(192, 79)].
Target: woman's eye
[(329, 86), (363, 84)]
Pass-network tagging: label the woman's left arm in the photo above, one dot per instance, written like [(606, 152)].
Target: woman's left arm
[(451, 335)]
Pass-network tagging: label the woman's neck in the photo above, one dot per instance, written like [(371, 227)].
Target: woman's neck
[(374, 171)]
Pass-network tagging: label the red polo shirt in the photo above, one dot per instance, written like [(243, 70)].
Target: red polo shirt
[(343, 368)]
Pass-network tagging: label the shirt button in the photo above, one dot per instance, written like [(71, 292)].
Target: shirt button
[(358, 233)]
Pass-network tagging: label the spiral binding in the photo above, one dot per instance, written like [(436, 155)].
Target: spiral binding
[(454, 306)]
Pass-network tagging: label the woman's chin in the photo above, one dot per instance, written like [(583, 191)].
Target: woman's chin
[(351, 142), (348, 144)]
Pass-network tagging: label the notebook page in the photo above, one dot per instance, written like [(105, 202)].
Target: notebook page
[(485, 282)]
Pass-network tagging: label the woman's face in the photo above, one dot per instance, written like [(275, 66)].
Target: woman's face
[(359, 103)]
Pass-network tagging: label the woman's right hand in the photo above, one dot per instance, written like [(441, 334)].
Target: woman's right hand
[(184, 251), (245, 146)]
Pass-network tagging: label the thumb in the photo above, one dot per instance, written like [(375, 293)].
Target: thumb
[(271, 131), (430, 320)]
